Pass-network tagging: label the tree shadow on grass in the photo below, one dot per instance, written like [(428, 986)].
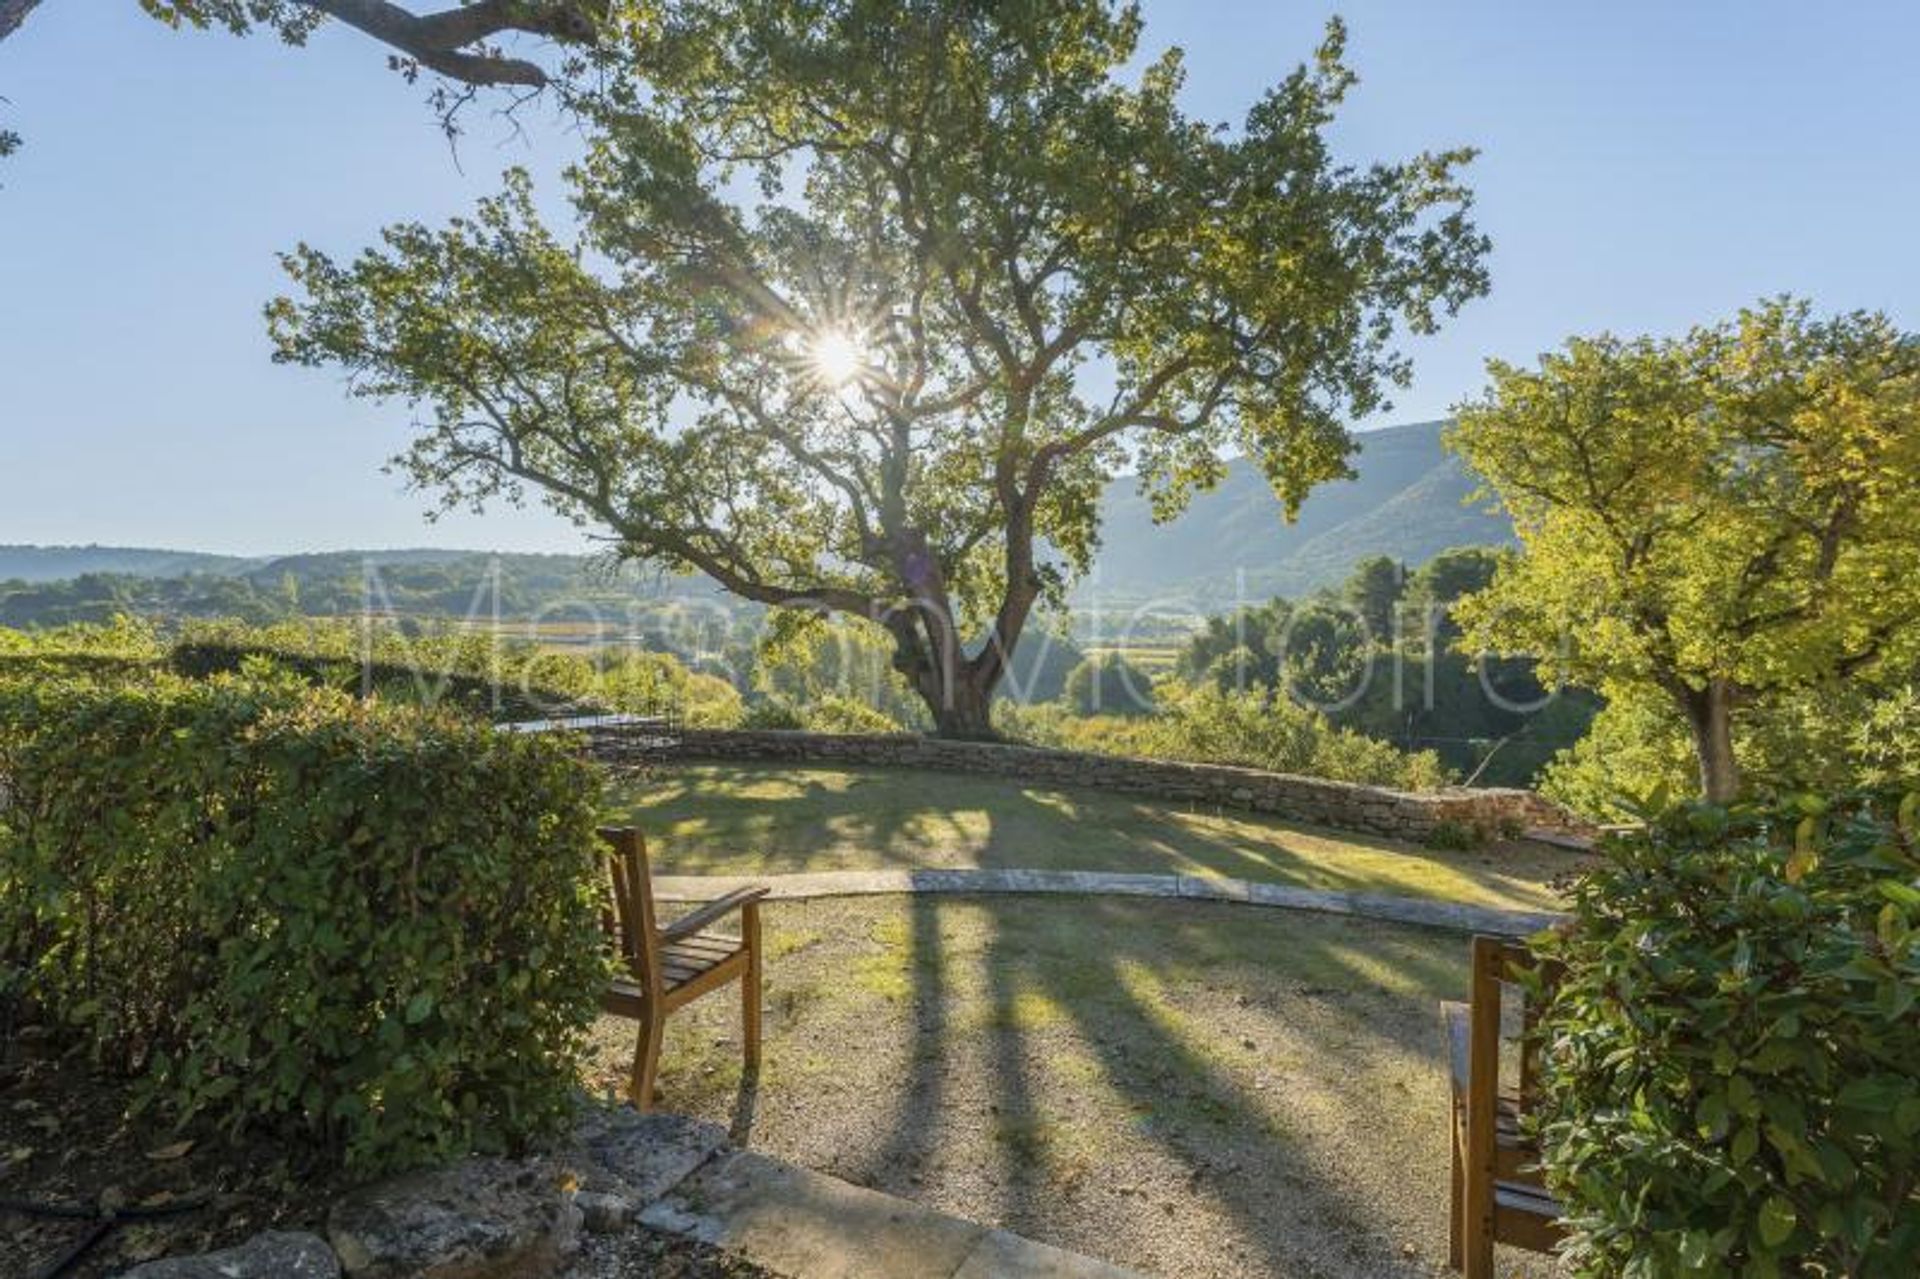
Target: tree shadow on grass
[(780, 820)]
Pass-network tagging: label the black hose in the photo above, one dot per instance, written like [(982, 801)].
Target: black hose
[(101, 1221), (90, 1212), (78, 1249)]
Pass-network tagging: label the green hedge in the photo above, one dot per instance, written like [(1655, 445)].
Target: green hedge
[(476, 671), (123, 650), (367, 926), (1732, 1066)]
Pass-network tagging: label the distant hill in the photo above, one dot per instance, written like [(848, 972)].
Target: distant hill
[(1407, 499), (57, 563)]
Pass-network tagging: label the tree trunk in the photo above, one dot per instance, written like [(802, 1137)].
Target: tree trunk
[(967, 714), (1709, 714), (958, 691)]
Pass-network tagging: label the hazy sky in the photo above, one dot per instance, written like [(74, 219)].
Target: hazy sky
[(1645, 166)]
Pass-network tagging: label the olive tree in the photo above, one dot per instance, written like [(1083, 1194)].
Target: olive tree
[(987, 267)]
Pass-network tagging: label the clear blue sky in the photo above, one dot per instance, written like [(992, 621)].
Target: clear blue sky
[(1645, 165)]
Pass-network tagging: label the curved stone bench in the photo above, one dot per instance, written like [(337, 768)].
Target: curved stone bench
[(1425, 912)]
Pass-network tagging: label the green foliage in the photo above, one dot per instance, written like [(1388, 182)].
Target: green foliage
[(810, 663), (1252, 729), (1372, 591), (1449, 836), (1239, 649), (1452, 575), (573, 593), (870, 389), (1729, 1063), (1326, 657), (836, 714), (363, 926), (827, 713), (1406, 684), (1108, 684), (471, 669), (1843, 735), (1724, 517), (123, 648)]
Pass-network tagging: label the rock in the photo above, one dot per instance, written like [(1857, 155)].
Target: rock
[(277, 1254), (605, 1214), (479, 1219), (641, 1157)]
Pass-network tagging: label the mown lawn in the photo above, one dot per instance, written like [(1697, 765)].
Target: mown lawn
[(743, 819)]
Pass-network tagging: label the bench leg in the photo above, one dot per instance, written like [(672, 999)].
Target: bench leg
[(1456, 1199), (750, 985), (1476, 1244), (646, 1058)]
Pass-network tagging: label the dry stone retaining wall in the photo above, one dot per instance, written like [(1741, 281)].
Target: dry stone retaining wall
[(1375, 810)]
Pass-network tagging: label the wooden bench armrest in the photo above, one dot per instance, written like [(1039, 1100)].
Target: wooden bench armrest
[(694, 921)]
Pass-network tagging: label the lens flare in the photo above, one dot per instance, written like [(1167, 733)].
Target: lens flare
[(837, 356)]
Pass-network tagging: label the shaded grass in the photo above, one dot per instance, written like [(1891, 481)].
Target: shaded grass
[(747, 818)]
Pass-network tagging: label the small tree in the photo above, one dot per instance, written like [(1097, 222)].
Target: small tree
[(871, 395), (1108, 684), (1373, 590), (1721, 516)]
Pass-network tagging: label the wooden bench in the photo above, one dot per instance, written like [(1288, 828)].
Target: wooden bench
[(669, 967), (1498, 1195)]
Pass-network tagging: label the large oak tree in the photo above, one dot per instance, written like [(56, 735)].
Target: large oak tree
[(1727, 517), (990, 263)]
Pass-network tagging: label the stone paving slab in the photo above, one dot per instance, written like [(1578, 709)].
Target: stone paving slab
[(1425, 912), (805, 1223), (1003, 1254)]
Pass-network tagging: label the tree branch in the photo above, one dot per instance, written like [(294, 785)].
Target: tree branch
[(13, 13), (443, 41)]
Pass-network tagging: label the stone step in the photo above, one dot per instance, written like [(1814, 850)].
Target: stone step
[(807, 1224)]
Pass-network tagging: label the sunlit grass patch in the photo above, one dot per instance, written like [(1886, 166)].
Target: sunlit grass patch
[(745, 819)]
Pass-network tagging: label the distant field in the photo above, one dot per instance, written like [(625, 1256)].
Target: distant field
[(1155, 659)]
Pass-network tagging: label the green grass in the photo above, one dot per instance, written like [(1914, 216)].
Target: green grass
[(745, 819)]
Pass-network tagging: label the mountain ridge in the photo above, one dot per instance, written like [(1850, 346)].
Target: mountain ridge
[(1407, 499)]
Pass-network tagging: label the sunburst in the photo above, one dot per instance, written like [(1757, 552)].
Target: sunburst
[(837, 356)]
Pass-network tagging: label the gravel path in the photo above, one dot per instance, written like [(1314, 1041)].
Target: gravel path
[(1185, 1088)]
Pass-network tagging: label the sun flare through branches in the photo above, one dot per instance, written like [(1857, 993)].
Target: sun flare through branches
[(837, 356)]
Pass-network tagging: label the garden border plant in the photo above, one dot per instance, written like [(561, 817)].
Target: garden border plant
[(1729, 1070), (365, 927)]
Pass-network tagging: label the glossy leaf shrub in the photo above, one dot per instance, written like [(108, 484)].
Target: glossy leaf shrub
[(371, 928), (1732, 1067)]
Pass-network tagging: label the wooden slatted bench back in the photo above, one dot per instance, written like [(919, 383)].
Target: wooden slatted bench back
[(1498, 1192)]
